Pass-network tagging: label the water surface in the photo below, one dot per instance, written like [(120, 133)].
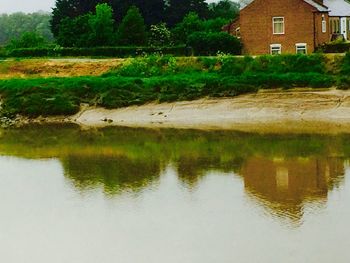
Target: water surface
[(134, 195)]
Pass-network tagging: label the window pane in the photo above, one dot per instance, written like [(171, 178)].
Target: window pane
[(278, 25)]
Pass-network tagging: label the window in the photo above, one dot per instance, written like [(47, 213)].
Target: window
[(324, 24), (276, 49), (278, 25), (301, 48), (238, 32)]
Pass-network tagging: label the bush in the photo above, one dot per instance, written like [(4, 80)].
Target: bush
[(206, 44), (336, 47), (27, 40), (273, 64), (345, 68), (97, 52)]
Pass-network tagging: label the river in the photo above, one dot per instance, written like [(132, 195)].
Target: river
[(172, 196)]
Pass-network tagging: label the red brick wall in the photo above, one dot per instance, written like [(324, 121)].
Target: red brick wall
[(257, 29)]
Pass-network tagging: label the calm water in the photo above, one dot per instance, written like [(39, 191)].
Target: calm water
[(130, 196)]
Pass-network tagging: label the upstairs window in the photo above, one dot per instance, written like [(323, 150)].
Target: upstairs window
[(301, 48), (278, 25), (238, 32), (275, 49), (324, 24)]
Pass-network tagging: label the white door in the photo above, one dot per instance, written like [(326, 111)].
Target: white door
[(343, 27)]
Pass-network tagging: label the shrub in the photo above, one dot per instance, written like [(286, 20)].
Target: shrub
[(335, 47), (160, 35), (132, 30), (206, 44), (345, 67), (97, 51), (27, 40)]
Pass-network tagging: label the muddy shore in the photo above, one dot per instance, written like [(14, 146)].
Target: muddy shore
[(269, 111)]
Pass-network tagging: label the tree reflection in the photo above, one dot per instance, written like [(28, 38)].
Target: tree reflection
[(281, 173)]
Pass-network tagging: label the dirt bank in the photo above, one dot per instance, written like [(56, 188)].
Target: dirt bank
[(269, 111), (37, 68)]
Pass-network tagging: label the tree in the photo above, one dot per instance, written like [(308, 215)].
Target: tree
[(27, 40), (74, 32), (190, 24), (132, 30), (160, 35), (102, 26), (178, 9), (224, 9), (151, 10), (71, 9), (14, 25)]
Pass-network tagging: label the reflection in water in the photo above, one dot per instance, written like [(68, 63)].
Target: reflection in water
[(280, 173), (114, 173), (285, 185)]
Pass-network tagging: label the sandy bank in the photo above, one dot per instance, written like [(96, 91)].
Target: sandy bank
[(296, 111)]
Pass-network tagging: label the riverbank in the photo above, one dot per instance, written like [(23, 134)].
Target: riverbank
[(270, 111)]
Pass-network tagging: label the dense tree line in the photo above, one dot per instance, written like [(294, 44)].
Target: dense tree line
[(78, 23), (14, 25), (135, 23)]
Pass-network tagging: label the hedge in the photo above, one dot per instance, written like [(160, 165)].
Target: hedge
[(98, 51), (338, 47), (208, 44)]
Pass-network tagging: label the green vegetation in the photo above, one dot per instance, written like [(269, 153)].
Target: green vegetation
[(166, 78), (15, 25), (116, 24), (114, 157)]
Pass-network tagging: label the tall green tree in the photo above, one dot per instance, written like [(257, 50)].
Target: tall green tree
[(74, 32), (102, 26), (224, 9), (151, 10), (177, 9), (72, 9), (132, 30), (191, 23)]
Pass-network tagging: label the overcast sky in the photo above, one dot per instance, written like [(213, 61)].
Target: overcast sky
[(27, 6)]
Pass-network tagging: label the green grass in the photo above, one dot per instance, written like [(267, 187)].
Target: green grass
[(166, 79)]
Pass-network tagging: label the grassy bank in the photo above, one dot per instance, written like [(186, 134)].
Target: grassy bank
[(165, 79)]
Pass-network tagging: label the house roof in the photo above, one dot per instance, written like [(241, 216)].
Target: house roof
[(319, 7), (338, 7)]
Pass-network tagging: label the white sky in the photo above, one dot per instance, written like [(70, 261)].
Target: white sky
[(28, 6)]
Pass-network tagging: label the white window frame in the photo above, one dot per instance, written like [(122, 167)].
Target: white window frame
[(276, 47), (324, 24), (238, 32), (300, 46), (273, 24)]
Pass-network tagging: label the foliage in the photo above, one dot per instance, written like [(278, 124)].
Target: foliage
[(102, 26), (335, 47), (345, 68), (14, 25), (70, 9), (225, 9), (119, 51), (178, 9), (151, 10), (132, 30), (214, 25), (274, 64), (160, 35), (190, 24), (74, 32), (211, 43), (27, 40)]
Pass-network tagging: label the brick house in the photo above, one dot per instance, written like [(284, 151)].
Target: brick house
[(289, 26)]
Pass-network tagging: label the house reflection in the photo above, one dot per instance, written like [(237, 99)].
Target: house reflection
[(285, 185)]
